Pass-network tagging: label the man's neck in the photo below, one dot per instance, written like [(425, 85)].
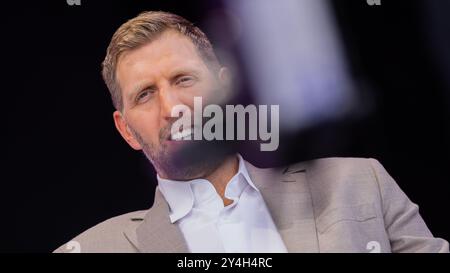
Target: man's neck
[(222, 175)]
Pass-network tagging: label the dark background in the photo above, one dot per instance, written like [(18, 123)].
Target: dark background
[(67, 169)]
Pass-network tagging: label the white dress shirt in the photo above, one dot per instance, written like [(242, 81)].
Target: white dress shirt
[(209, 226)]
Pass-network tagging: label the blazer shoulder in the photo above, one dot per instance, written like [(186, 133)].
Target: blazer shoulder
[(107, 236), (343, 181), (340, 166), (336, 162)]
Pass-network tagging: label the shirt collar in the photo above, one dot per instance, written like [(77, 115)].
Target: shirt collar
[(181, 195)]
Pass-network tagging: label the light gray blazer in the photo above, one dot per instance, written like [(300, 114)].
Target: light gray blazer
[(323, 205)]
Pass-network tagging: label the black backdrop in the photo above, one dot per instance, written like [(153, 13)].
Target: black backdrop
[(66, 168)]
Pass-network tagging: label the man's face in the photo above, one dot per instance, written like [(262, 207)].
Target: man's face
[(154, 78)]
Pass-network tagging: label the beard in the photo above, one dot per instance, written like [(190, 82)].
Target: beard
[(193, 159)]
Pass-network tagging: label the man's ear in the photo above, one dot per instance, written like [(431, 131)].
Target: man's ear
[(227, 91), (125, 132), (225, 76)]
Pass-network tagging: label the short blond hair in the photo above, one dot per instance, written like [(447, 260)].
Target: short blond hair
[(142, 30)]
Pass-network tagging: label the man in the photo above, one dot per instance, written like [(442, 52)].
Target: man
[(219, 202)]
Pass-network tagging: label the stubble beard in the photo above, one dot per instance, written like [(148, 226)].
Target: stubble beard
[(195, 159)]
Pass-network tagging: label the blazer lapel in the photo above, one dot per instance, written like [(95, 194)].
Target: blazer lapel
[(156, 233), (287, 196)]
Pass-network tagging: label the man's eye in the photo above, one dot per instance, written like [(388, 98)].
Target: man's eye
[(143, 96), (185, 81)]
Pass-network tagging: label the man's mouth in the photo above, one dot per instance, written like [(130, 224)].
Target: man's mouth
[(185, 134)]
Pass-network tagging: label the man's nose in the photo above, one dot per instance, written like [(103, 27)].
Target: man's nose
[(168, 99)]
